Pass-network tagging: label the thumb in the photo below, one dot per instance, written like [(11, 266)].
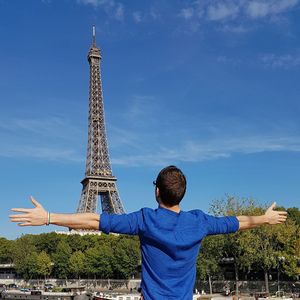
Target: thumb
[(272, 206), (34, 202)]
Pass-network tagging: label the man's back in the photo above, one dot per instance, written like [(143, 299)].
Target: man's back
[(170, 243)]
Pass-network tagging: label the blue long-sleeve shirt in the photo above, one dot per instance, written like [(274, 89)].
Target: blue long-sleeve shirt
[(170, 243)]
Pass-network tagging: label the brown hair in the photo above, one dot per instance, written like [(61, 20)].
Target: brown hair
[(171, 183)]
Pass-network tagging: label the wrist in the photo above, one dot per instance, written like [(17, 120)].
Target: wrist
[(265, 219)]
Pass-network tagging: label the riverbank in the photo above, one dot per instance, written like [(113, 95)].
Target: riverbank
[(118, 285)]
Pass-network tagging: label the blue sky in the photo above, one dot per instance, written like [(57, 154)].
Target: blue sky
[(210, 86)]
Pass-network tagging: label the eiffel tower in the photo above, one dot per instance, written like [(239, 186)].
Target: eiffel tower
[(98, 180)]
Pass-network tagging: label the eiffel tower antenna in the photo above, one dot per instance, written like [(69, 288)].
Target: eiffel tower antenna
[(94, 36), (98, 180)]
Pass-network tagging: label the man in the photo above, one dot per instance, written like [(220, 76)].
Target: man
[(170, 238)]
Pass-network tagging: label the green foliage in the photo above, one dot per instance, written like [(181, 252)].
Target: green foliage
[(99, 261), (242, 246), (24, 256), (77, 263), (43, 264), (61, 259), (111, 256), (210, 256), (126, 257), (47, 242), (260, 248), (27, 268), (6, 251), (294, 215)]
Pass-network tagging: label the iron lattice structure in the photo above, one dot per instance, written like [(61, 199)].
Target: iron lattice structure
[(98, 180)]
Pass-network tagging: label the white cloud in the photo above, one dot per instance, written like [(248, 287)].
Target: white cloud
[(137, 16), (57, 127), (154, 14), (145, 137), (51, 138), (119, 13), (222, 11), (50, 153), (195, 151), (237, 15), (235, 28), (223, 59), (112, 8), (56, 139), (259, 9), (98, 2), (187, 13), (285, 61), (140, 107)]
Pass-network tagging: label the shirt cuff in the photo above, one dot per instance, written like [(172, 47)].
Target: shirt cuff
[(104, 224), (234, 224)]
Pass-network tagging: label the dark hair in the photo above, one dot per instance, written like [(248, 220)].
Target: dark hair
[(171, 183)]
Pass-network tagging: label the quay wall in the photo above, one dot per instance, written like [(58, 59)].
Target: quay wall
[(90, 284), (247, 287)]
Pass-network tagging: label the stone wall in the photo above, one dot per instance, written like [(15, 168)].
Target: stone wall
[(246, 287)]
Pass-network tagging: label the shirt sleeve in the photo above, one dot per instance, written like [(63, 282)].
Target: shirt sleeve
[(220, 225), (124, 223)]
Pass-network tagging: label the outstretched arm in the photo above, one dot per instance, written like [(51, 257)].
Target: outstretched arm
[(270, 217), (38, 216)]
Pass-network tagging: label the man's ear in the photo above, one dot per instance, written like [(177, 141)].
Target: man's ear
[(157, 194)]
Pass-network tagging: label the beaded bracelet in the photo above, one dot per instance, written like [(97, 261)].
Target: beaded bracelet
[(48, 219)]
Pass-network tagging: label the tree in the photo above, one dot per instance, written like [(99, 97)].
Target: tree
[(27, 268), (78, 243), (238, 245), (99, 261), (77, 264), (261, 247), (47, 242), (126, 257), (6, 251), (25, 256), (44, 264), (61, 259), (287, 237), (209, 258)]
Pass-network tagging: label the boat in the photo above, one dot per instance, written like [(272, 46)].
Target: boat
[(103, 296)]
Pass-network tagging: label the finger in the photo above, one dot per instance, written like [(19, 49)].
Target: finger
[(24, 210), (282, 216), (17, 216), (273, 205), (34, 202), (20, 220), (24, 224), (281, 212), (282, 220)]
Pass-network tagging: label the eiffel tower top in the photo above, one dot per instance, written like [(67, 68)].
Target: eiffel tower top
[(94, 51), (98, 162)]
